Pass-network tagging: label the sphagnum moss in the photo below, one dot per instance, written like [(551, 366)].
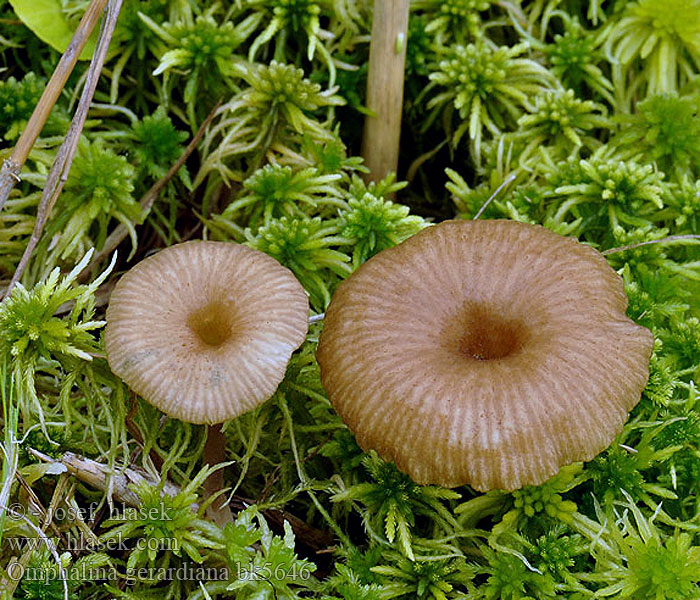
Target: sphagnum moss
[(587, 110)]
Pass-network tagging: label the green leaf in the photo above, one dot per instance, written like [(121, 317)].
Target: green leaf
[(49, 24)]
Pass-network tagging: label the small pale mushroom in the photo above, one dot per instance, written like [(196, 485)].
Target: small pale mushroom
[(488, 353), (204, 330)]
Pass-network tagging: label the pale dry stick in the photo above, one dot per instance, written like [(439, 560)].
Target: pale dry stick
[(120, 232), (61, 167), (387, 57), (506, 182), (9, 174), (100, 477), (666, 240)]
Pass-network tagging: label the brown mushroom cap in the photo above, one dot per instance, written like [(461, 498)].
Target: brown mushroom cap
[(204, 330), (483, 352)]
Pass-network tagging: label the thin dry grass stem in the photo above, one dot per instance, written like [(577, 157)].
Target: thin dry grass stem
[(9, 174), (120, 232), (506, 182), (667, 240), (380, 138), (61, 167), (37, 508)]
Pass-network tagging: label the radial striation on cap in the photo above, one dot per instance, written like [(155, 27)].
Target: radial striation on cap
[(488, 353), (204, 330)]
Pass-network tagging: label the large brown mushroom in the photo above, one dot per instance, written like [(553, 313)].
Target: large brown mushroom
[(204, 330), (489, 352)]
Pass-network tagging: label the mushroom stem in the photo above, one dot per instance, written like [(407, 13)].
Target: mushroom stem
[(215, 453), (387, 57)]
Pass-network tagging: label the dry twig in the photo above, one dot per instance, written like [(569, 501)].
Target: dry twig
[(100, 477), (61, 167), (9, 174)]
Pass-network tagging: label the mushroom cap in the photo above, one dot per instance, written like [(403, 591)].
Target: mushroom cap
[(204, 330), (483, 352)]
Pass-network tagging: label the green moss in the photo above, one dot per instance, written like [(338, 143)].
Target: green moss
[(581, 116)]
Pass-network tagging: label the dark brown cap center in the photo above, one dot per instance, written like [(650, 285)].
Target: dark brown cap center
[(212, 324), (483, 334)]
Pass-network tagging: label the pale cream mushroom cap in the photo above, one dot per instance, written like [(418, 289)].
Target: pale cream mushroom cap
[(204, 330), (488, 353)]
